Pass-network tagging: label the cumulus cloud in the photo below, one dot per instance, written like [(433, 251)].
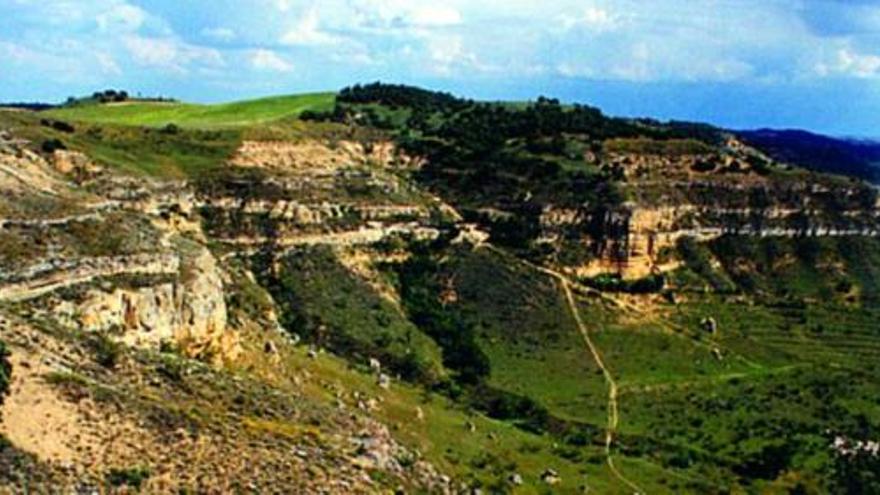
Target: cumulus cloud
[(848, 62), (219, 33), (592, 18), (270, 61), (385, 15), (122, 17), (434, 15), (448, 54), (342, 41), (170, 53), (108, 64), (307, 32)]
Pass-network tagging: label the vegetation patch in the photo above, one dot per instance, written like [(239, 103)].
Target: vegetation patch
[(133, 478), (324, 302), (669, 147)]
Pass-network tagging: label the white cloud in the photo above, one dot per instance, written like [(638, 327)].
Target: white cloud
[(434, 15), (170, 53), (307, 32), (13, 52), (219, 33), (592, 18), (122, 17), (19, 61), (284, 5), (390, 15), (848, 62), (632, 40), (570, 69), (270, 61), (648, 61), (108, 64), (448, 54)]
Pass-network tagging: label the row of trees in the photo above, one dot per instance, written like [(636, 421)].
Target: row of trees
[(544, 117), (111, 96)]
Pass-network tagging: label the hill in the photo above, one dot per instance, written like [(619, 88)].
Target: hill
[(856, 158), (159, 114), (411, 291)]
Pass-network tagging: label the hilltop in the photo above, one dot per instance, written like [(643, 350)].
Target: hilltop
[(396, 289), (162, 113)]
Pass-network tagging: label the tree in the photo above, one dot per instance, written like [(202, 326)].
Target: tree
[(5, 371)]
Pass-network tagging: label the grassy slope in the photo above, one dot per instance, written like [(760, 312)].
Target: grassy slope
[(529, 336), (681, 407), (334, 308), (127, 138), (235, 114), (810, 372), (484, 457), (136, 150)]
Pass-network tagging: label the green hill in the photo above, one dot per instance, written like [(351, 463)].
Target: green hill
[(524, 298), (235, 114)]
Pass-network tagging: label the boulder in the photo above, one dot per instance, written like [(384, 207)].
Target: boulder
[(550, 477)]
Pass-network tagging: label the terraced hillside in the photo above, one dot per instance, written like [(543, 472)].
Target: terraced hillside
[(409, 291)]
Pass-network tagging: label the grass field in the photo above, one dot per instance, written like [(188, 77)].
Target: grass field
[(528, 334), (188, 115), (132, 136)]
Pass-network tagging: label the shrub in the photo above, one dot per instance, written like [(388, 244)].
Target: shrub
[(614, 283), (704, 166), (172, 368), (171, 128), (58, 125), (107, 351), (131, 477), (52, 145), (698, 259), (5, 371)]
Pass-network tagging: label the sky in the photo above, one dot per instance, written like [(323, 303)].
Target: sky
[(812, 64)]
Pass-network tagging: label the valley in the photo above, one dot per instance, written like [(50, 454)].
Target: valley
[(395, 290)]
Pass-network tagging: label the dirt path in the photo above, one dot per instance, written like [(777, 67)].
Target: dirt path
[(613, 416)]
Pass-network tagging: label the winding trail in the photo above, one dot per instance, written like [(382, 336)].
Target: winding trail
[(613, 416)]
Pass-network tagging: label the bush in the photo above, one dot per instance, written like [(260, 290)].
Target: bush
[(131, 477), (703, 166), (58, 125), (5, 371), (51, 145), (107, 351), (698, 259), (614, 283), (171, 128)]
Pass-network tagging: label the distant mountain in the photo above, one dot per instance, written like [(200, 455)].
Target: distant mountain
[(853, 157)]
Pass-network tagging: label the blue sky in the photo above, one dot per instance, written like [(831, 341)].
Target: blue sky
[(811, 64)]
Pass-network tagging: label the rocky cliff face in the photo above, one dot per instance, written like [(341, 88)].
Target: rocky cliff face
[(187, 309), (129, 262), (89, 256), (705, 197), (287, 194)]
